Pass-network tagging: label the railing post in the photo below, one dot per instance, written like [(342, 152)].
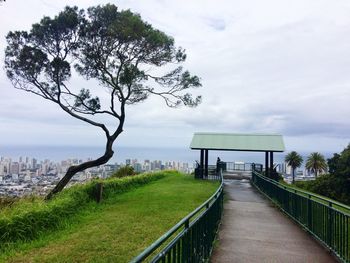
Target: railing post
[(309, 211), (330, 227), (187, 224)]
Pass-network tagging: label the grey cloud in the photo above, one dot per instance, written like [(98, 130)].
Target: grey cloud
[(216, 23)]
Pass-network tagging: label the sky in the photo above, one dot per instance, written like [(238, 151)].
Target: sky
[(266, 67)]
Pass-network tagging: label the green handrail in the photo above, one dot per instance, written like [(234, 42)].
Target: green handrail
[(196, 234), (327, 220)]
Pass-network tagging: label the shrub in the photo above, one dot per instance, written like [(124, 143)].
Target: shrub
[(7, 201), (328, 185), (124, 171)]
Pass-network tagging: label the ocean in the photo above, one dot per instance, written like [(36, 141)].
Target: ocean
[(58, 153)]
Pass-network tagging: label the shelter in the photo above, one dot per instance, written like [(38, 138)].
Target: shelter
[(205, 141)]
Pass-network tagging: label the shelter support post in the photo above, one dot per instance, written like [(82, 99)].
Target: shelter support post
[(206, 163), (271, 163), (201, 163), (266, 163)]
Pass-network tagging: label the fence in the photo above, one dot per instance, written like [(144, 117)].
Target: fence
[(326, 220), (194, 235), (238, 166)]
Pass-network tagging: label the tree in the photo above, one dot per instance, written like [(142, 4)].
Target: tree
[(333, 163), (339, 164), (294, 160), (118, 49), (316, 163)]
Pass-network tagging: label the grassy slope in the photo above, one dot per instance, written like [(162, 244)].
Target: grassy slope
[(121, 227)]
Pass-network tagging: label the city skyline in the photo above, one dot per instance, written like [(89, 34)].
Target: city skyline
[(27, 175), (265, 67)]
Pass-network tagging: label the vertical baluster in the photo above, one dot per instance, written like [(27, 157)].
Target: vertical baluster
[(174, 252)]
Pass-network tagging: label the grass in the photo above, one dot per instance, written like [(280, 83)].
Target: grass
[(119, 228), (27, 219)]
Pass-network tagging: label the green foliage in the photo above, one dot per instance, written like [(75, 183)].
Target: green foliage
[(335, 185), (316, 163), (340, 164), (124, 171), (7, 202), (294, 160), (274, 175), (110, 45), (333, 163), (328, 185), (28, 219)]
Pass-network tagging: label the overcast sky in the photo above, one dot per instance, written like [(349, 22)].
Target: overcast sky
[(266, 67)]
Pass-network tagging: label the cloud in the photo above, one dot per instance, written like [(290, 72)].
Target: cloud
[(271, 66), (216, 23)]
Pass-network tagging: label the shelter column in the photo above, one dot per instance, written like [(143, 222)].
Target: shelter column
[(201, 163), (271, 163), (206, 164), (266, 163)]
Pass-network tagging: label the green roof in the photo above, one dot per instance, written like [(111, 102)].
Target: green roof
[(238, 142)]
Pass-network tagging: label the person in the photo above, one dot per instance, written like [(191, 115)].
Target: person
[(218, 161)]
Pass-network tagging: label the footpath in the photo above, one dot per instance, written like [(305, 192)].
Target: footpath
[(253, 230)]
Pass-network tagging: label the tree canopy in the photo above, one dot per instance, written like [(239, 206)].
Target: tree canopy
[(125, 54), (339, 164), (316, 163), (294, 160)]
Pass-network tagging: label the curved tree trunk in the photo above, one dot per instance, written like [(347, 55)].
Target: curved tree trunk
[(81, 167)]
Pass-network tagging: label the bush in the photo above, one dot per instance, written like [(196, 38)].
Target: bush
[(26, 220), (328, 185), (7, 201), (124, 171), (274, 176)]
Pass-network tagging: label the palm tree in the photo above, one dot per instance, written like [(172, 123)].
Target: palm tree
[(316, 163), (294, 160)]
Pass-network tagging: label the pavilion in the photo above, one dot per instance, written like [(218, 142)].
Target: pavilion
[(205, 141)]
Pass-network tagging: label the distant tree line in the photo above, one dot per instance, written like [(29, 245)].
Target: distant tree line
[(335, 184)]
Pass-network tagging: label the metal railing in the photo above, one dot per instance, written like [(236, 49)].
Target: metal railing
[(326, 220), (237, 166), (190, 240)]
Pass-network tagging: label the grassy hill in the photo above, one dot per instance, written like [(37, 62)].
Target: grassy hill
[(120, 227)]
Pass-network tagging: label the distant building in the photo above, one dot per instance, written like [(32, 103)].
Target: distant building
[(14, 168)]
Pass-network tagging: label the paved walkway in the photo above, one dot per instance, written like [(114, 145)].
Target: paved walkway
[(253, 230)]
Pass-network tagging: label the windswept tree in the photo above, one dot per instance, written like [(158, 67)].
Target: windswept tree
[(123, 54), (316, 163), (294, 160)]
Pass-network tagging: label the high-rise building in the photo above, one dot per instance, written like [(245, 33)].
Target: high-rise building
[(14, 168), (34, 163)]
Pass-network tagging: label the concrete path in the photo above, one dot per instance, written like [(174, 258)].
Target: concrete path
[(253, 230)]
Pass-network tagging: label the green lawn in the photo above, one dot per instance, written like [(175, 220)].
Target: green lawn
[(121, 227)]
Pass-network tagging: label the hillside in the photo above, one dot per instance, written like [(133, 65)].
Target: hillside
[(119, 228)]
